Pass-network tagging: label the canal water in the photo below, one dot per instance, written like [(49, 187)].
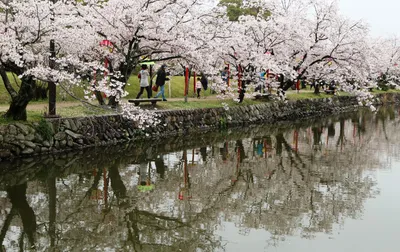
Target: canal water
[(324, 185)]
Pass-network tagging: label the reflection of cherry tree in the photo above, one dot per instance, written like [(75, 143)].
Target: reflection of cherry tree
[(304, 188), (278, 181)]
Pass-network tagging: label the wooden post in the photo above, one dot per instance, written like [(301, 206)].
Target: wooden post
[(186, 82), (148, 180), (229, 73), (194, 82), (296, 140), (105, 187), (52, 63), (169, 86), (265, 148), (186, 187), (192, 157), (239, 78), (52, 194), (151, 80)]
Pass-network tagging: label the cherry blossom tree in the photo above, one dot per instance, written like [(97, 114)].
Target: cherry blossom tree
[(383, 60), (295, 39), (301, 39), (135, 30), (26, 30), (334, 48), (152, 30)]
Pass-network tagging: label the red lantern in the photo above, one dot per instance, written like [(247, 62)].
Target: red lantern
[(181, 195)]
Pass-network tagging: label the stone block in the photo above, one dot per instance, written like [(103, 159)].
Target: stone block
[(30, 144), (60, 136), (12, 130), (23, 128), (73, 134), (20, 137), (28, 151), (30, 137)]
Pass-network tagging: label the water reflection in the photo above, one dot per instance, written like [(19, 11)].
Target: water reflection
[(290, 180)]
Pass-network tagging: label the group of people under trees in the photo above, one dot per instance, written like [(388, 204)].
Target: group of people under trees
[(260, 80), (263, 79), (302, 83), (144, 75)]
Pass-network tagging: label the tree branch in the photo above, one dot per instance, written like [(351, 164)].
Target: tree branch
[(7, 83)]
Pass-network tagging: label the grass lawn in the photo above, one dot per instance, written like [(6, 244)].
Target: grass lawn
[(176, 83), (69, 107), (309, 94), (173, 89), (61, 94), (376, 91), (69, 110), (203, 103)]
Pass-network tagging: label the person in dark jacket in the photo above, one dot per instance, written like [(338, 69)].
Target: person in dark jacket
[(160, 81), (204, 81)]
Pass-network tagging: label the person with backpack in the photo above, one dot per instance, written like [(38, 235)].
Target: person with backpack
[(204, 81), (160, 81), (144, 81)]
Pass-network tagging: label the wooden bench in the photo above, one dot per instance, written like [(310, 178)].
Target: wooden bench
[(328, 91), (263, 96), (138, 101)]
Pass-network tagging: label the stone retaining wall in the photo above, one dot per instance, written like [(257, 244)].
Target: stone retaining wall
[(63, 134)]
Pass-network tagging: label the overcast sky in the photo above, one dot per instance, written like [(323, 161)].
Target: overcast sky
[(382, 15)]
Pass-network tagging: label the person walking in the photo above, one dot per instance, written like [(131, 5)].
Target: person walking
[(144, 82), (225, 79), (160, 81), (204, 81), (224, 75), (198, 87)]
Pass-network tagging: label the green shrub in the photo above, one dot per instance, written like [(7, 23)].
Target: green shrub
[(44, 129), (222, 123)]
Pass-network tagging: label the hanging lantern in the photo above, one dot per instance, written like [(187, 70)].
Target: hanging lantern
[(108, 44), (184, 194)]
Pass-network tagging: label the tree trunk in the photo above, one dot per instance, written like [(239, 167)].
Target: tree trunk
[(112, 100), (99, 97), (125, 69), (17, 110), (286, 85), (316, 88), (17, 196), (116, 183)]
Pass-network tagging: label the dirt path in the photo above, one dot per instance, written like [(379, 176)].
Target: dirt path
[(42, 106)]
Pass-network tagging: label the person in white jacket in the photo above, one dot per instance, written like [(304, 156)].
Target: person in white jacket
[(198, 87), (144, 82)]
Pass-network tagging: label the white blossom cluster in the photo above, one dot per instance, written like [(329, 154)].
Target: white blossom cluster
[(142, 118)]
